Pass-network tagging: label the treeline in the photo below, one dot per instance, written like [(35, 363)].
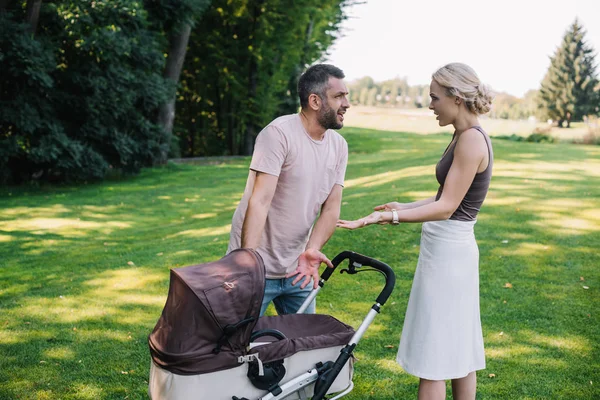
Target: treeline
[(570, 91), (397, 93), (390, 93), (90, 88)]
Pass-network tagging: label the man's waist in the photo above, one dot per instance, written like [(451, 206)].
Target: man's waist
[(280, 263)]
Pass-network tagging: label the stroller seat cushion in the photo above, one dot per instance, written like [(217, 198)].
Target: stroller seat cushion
[(302, 332)]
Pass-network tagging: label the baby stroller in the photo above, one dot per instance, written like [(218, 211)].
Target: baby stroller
[(210, 344)]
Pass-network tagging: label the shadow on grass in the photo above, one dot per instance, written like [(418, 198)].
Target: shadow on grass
[(84, 269), (85, 275)]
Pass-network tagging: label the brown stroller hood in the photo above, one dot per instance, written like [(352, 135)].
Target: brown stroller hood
[(209, 315)]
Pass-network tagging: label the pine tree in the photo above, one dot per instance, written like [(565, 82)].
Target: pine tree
[(567, 91)]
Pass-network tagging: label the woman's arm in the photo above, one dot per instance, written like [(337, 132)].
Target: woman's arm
[(470, 151), (404, 206)]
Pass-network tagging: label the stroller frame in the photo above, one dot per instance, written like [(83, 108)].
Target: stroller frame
[(323, 375)]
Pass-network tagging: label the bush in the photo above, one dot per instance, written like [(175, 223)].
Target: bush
[(513, 137), (79, 99), (533, 138), (540, 138)]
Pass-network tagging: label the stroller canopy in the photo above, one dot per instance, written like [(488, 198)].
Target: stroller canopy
[(201, 328)]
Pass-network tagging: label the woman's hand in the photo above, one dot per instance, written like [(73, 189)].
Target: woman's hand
[(373, 218), (394, 205)]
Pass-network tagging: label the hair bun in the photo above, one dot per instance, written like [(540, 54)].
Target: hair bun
[(482, 101)]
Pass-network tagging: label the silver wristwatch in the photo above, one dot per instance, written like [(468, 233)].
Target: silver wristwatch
[(395, 220)]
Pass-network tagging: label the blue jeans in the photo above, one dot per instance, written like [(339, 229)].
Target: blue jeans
[(286, 297)]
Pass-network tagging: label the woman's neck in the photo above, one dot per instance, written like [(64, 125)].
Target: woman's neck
[(462, 123)]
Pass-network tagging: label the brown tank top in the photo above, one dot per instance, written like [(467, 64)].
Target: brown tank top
[(471, 203)]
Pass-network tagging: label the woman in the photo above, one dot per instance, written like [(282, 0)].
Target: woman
[(442, 337)]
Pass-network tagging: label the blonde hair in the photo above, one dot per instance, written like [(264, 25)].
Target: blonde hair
[(460, 80)]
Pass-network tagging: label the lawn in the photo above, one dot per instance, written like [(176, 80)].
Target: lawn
[(84, 269)]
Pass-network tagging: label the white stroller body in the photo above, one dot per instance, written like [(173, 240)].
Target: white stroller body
[(209, 343)]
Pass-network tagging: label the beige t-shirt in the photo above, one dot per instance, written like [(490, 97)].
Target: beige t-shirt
[(307, 171)]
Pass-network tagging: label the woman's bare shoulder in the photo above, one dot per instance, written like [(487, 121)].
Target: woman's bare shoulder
[(472, 136), (471, 142)]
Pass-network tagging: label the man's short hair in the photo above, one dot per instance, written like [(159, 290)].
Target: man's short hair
[(315, 80)]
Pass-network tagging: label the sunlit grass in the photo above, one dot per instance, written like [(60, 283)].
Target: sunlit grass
[(388, 176), (84, 269), (221, 230)]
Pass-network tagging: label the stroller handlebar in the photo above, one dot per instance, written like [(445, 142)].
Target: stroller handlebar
[(358, 260)]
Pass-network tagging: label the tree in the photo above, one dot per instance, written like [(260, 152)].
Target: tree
[(372, 97), (242, 67), (567, 90), (33, 14), (394, 94), (364, 94), (383, 93), (78, 99), (359, 89), (3, 5), (26, 113), (175, 18), (529, 105), (414, 93), (425, 96), (90, 87), (404, 88), (507, 106)]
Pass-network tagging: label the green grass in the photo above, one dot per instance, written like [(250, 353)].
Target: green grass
[(84, 269)]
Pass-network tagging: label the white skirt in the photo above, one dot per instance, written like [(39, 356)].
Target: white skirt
[(442, 337)]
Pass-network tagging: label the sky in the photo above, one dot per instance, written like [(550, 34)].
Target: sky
[(507, 42)]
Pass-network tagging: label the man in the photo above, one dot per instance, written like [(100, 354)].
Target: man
[(296, 174)]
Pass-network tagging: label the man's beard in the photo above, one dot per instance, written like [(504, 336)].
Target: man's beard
[(327, 118)]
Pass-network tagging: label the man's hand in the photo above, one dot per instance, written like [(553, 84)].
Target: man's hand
[(308, 267)]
